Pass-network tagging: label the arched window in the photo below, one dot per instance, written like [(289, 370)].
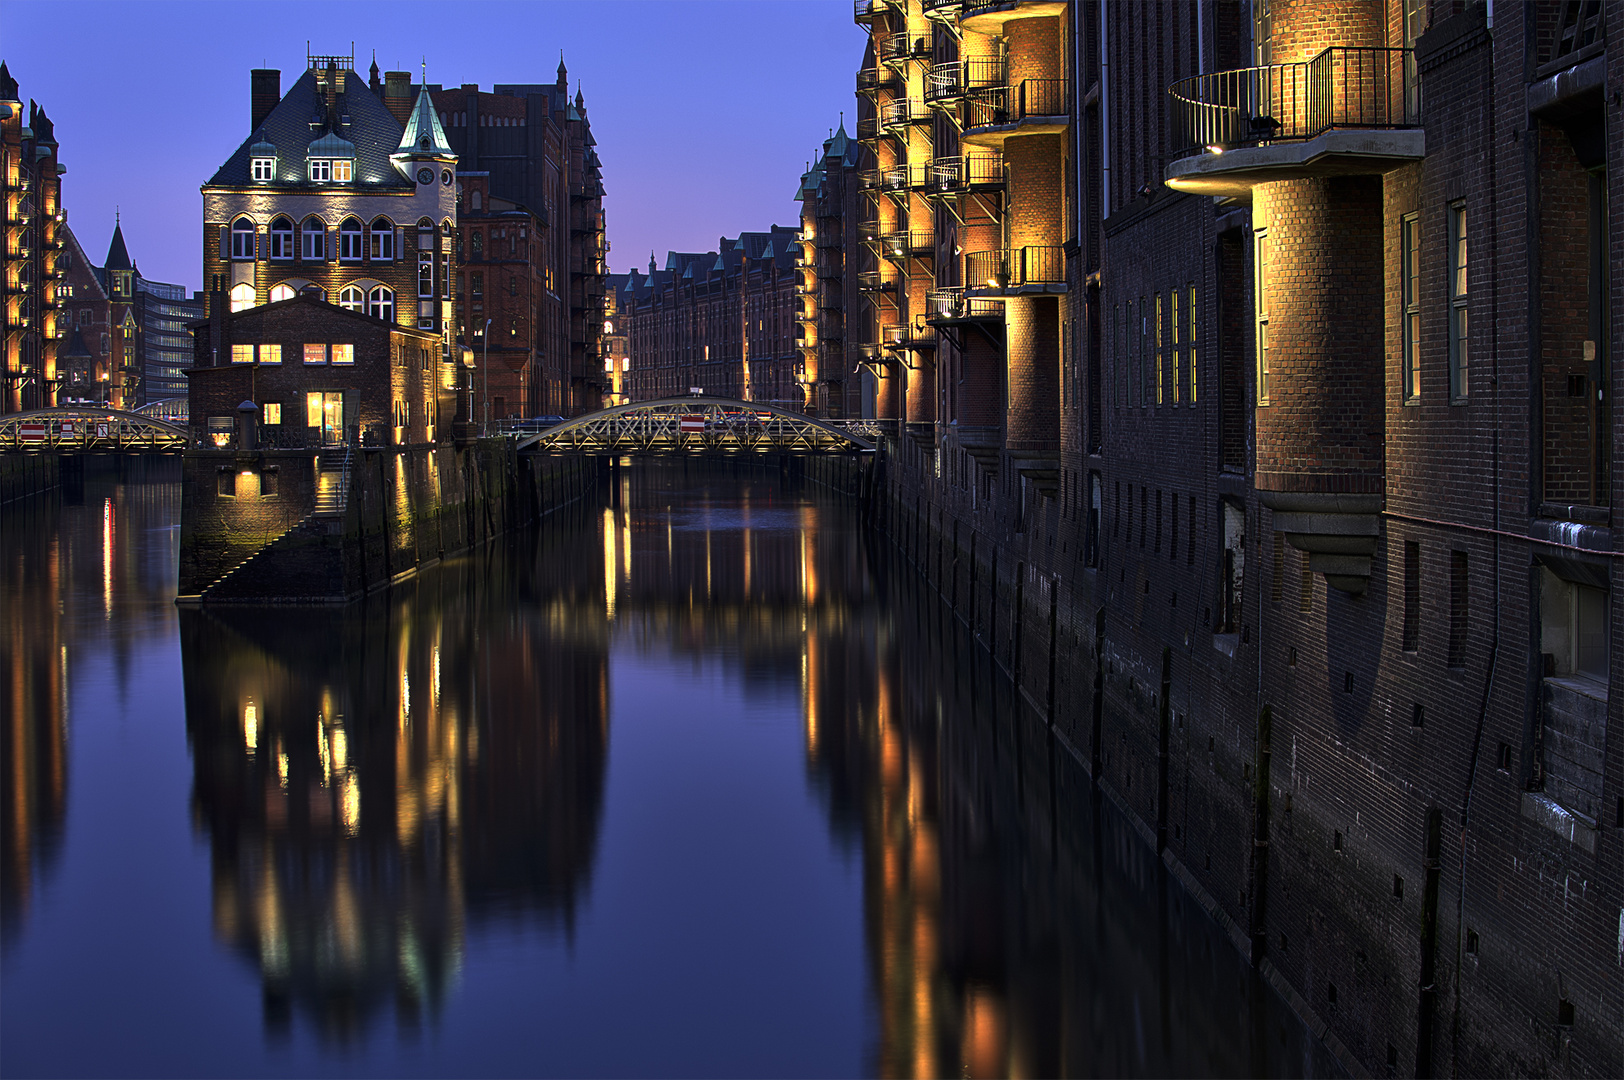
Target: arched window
[(383, 240), (242, 297), (314, 291), (313, 240), (478, 243), (282, 291), (475, 200), (242, 238), (349, 240), (352, 299), (281, 238), (381, 303)]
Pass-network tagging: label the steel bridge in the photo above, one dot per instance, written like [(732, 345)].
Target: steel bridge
[(89, 430), (704, 425)]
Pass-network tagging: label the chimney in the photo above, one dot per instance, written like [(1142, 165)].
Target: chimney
[(397, 95), (265, 90)]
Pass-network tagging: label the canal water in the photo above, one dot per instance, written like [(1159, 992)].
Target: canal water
[(694, 780)]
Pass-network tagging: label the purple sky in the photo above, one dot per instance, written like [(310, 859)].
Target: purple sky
[(705, 113)]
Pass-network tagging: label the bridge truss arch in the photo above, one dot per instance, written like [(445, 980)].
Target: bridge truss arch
[(89, 430), (703, 424)]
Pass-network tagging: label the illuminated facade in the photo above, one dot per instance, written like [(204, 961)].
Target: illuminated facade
[(616, 347), (833, 264), (1301, 313), (29, 267)]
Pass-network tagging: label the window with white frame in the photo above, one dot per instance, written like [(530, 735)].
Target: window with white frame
[(349, 240), (313, 240), (282, 291), (425, 273), (264, 168), (383, 240), (1262, 254), (351, 298), (242, 298), (1410, 242), (321, 170), (281, 238), (343, 170), (343, 354), (242, 238), (381, 303)]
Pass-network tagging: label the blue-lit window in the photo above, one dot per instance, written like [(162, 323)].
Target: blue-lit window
[(281, 238), (349, 240), (242, 239), (383, 240), (313, 240)]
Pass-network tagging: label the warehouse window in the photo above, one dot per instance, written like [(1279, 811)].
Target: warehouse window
[(1459, 315), (1410, 239), (1262, 293), (242, 239)]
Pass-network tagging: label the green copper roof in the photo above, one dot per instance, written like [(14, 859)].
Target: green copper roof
[(423, 134)]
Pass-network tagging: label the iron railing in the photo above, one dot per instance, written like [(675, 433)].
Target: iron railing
[(972, 171), (903, 243), (902, 47), (875, 78), (1342, 87), (951, 305), (864, 10), (905, 178), (1008, 268), (903, 111), (993, 106), (949, 81), (868, 128), (873, 281), (941, 9)]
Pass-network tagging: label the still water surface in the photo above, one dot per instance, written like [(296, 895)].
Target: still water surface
[(690, 782)]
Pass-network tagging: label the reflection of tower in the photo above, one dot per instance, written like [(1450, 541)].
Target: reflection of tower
[(373, 783)]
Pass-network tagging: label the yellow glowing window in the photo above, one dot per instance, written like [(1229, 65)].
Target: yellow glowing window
[(341, 170), (242, 354), (270, 354), (313, 410), (273, 412), (315, 354), (343, 354)]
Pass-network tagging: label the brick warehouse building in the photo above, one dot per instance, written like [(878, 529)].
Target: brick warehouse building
[(32, 187), (1301, 312), (832, 207), (723, 321), (532, 243)]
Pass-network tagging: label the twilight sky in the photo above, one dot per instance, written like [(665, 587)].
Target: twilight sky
[(705, 112)]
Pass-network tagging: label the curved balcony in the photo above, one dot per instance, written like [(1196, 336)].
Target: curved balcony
[(865, 11), (908, 336), (903, 243), (904, 178), (873, 281), (872, 79), (901, 112), (948, 82), (948, 307), (942, 10), (972, 172), (1015, 271), (1348, 111), (868, 128), (1030, 107), (989, 16), (868, 230), (900, 48), (869, 179)]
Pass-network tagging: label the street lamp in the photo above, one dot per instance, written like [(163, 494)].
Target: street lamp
[(485, 381)]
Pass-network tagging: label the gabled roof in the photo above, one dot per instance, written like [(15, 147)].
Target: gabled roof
[(423, 133), (372, 130)]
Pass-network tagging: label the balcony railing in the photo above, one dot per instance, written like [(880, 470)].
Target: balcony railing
[(907, 335), (869, 180), (994, 106), (903, 243), (865, 10), (905, 178), (902, 112), (868, 127), (1342, 87), (967, 173), (899, 48), (874, 281), (875, 78), (951, 305), (941, 9), (949, 82), (868, 230), (1012, 268)]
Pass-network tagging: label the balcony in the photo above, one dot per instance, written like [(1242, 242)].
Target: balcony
[(1031, 107), (908, 336), (905, 178), (872, 281), (868, 128), (972, 172), (901, 112), (902, 244), (900, 48), (876, 78), (948, 82), (943, 10), (865, 11), (1346, 112), (1015, 271), (989, 16), (947, 307), (829, 270)]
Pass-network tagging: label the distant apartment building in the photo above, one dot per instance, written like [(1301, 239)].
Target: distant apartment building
[(32, 190), (1255, 362), (163, 343), (532, 243), (725, 322)]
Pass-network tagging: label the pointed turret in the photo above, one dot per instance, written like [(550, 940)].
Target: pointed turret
[(8, 85), (118, 256), (563, 73), (423, 137)]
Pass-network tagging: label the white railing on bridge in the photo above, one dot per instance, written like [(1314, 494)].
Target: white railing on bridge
[(88, 430), (702, 425)]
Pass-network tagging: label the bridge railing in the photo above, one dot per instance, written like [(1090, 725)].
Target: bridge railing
[(88, 430)]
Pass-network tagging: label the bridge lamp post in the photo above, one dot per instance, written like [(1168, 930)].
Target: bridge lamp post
[(485, 380)]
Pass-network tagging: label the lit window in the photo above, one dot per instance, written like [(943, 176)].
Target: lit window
[(242, 239), (383, 240), (270, 354), (352, 299), (313, 409), (242, 354), (341, 170), (381, 303), (281, 238), (1262, 268), (313, 240), (1410, 240), (349, 240), (343, 354), (1459, 322), (242, 297), (273, 412), (315, 354), (264, 168), (282, 291), (425, 273), (321, 169)]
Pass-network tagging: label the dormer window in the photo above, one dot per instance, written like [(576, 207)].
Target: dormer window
[(331, 170), (264, 168)]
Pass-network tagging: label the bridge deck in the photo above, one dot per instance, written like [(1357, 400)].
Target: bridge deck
[(703, 425), (88, 430)]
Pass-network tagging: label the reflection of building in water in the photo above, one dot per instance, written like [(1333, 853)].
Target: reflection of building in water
[(373, 781), (66, 559)]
